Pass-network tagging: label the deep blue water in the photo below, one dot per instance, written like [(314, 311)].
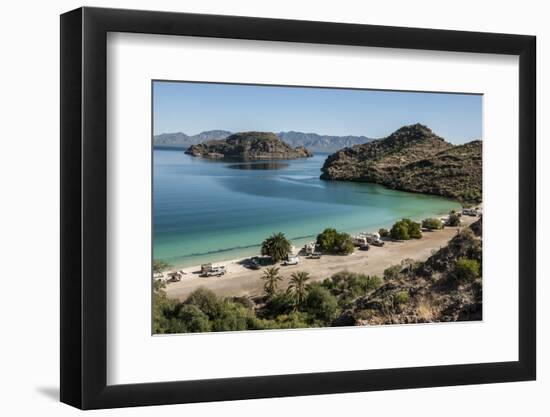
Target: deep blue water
[(208, 211)]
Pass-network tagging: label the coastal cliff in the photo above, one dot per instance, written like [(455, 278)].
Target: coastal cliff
[(413, 158), (248, 146)]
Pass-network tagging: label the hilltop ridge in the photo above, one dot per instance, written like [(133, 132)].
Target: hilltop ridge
[(248, 146), (413, 158)]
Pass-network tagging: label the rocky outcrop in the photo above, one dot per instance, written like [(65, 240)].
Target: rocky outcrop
[(425, 292), (415, 159), (248, 146)]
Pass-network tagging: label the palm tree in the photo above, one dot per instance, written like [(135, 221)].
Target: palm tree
[(271, 279), (276, 246), (297, 285)]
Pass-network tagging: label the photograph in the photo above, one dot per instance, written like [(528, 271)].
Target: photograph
[(291, 207)]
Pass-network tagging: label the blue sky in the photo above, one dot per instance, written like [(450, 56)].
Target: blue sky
[(195, 107)]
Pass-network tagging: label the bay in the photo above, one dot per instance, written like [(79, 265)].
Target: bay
[(210, 211)]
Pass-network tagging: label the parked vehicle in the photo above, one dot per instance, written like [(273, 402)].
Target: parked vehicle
[(359, 240), (376, 242), (292, 260), (207, 270), (175, 276), (252, 264), (315, 255), (469, 212), (364, 247), (374, 235), (309, 248)]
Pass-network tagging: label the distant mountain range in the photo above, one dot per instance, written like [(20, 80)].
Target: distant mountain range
[(311, 141)]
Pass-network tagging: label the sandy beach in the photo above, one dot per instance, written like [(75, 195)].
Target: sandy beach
[(240, 281)]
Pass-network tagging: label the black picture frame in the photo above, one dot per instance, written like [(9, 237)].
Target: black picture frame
[(84, 207)]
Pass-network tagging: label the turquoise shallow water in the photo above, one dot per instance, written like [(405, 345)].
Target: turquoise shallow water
[(209, 211)]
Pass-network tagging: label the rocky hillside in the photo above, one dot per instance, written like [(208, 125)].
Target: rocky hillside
[(415, 159), (248, 146), (433, 291), (311, 141)]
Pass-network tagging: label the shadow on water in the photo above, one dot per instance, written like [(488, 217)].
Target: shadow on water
[(270, 165), (312, 189)]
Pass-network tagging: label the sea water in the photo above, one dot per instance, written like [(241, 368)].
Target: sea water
[(210, 211)]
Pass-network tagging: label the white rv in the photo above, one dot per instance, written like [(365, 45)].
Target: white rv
[(470, 212), (374, 235), (292, 260), (309, 248), (359, 240), (374, 239)]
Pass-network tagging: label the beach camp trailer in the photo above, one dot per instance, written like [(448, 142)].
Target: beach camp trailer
[(374, 235), (214, 271), (359, 240), (373, 239), (309, 248), (292, 260), (175, 276), (469, 212), (375, 242)]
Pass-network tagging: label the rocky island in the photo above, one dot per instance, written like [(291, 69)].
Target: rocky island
[(248, 146), (415, 159)]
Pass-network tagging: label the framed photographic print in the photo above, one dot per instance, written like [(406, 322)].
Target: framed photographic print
[(257, 208)]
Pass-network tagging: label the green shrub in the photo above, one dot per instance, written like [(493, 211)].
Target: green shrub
[(160, 266), (432, 224), (206, 301), (231, 317), (399, 231), (279, 304), (454, 219), (466, 270), (293, 320), (243, 300), (193, 319), (351, 284), (321, 304), (331, 241), (163, 311), (414, 229), (383, 232), (392, 272), (400, 298), (343, 244), (367, 283), (405, 229)]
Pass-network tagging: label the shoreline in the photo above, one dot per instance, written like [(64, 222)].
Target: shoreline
[(241, 281), (298, 242)]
